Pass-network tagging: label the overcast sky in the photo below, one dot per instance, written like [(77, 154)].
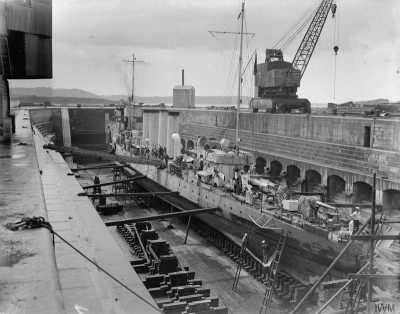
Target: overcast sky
[(92, 37)]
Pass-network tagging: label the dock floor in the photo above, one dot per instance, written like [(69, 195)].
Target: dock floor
[(215, 269)]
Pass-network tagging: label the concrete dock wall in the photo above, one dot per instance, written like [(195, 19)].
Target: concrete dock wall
[(88, 125), (51, 116), (383, 132)]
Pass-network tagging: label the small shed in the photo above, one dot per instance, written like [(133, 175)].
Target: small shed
[(183, 97)]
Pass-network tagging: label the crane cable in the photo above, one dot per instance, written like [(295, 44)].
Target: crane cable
[(300, 21), (335, 46), (304, 24)]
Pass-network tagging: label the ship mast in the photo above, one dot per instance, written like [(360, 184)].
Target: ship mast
[(133, 61), (131, 104), (239, 100), (133, 79)]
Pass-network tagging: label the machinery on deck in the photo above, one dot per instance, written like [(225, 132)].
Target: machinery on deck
[(276, 81)]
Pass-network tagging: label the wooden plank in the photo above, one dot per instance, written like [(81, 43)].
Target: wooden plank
[(162, 216), (130, 194), (112, 182), (100, 167)]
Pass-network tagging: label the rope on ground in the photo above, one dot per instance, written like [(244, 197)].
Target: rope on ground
[(39, 222)]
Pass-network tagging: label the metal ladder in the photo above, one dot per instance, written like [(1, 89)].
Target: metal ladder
[(240, 262), (4, 57), (272, 274), (356, 304)]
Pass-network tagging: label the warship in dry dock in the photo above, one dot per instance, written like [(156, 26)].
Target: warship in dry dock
[(332, 163), (329, 156), (277, 171)]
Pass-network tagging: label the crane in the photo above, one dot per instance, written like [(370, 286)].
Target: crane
[(277, 81)]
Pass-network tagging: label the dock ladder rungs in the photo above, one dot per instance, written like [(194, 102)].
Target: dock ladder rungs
[(272, 274)]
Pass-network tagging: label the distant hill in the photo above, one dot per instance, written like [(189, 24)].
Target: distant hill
[(373, 102), (51, 92), (75, 95)]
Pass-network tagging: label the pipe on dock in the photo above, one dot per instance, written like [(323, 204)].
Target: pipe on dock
[(325, 205)]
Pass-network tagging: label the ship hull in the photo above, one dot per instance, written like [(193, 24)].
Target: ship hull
[(307, 254)]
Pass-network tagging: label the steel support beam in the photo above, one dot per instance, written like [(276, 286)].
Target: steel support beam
[(368, 276), (130, 194), (113, 182), (376, 237), (309, 193), (187, 230), (162, 216), (103, 156)]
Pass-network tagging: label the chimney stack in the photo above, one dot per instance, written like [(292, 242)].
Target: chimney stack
[(183, 77)]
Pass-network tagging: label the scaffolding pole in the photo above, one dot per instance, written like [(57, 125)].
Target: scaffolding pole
[(314, 287)]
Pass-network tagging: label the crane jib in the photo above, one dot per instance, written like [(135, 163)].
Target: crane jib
[(307, 46)]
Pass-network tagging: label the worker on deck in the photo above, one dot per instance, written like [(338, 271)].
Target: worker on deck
[(166, 157), (265, 250), (356, 219)]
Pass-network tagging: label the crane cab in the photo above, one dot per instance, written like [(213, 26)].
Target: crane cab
[(273, 92)]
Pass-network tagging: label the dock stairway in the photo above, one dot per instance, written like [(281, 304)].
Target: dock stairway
[(5, 57), (273, 274)]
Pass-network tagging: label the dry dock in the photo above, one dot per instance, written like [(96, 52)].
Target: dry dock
[(215, 269)]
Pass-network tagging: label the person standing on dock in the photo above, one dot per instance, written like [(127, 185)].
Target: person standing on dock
[(265, 250), (166, 157), (356, 219), (245, 240)]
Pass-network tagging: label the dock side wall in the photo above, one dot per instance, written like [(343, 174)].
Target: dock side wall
[(383, 132), (88, 126), (52, 117)]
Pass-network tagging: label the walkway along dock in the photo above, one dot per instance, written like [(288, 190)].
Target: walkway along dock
[(46, 279)]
